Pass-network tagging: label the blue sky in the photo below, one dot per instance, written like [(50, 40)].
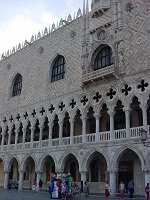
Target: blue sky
[(19, 19)]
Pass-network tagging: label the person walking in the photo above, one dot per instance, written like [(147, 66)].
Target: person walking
[(131, 188), (34, 185), (107, 190), (40, 184), (147, 191), (121, 189), (86, 186)]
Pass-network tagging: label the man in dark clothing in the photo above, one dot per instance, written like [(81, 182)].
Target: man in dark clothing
[(40, 184), (131, 188)]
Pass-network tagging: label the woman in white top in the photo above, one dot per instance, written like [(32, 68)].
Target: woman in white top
[(122, 189)]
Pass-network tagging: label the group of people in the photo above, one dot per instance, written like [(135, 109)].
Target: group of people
[(122, 190), (37, 186), (63, 186)]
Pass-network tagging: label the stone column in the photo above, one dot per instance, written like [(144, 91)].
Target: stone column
[(2, 142), (97, 117), (32, 128), (112, 182), (59, 171), (146, 177), (127, 113), (40, 136), (20, 187), (6, 176), (9, 136), (71, 130), (144, 112), (83, 176), (111, 115), (50, 134), (39, 174), (83, 129), (16, 137), (60, 131), (24, 136)]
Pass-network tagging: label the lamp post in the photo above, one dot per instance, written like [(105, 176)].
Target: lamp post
[(144, 137)]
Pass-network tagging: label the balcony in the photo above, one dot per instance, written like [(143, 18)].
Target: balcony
[(100, 74), (101, 138)]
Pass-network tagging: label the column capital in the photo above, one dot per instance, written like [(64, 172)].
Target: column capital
[(83, 172), (41, 120), (83, 118), (39, 171), (41, 126), (60, 122), (111, 113), (127, 109), (144, 106), (71, 120), (97, 115), (112, 170), (10, 127), (20, 171)]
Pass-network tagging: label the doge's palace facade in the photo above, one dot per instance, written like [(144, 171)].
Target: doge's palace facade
[(74, 98)]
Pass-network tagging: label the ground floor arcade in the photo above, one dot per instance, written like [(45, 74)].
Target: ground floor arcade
[(95, 164)]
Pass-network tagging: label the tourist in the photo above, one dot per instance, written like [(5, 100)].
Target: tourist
[(34, 185), (86, 186), (147, 191), (107, 190), (81, 188), (121, 189), (40, 184), (131, 188)]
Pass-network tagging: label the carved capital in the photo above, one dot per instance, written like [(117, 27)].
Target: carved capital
[(97, 115)]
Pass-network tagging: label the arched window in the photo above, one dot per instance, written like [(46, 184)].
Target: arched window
[(103, 58), (17, 87), (58, 70)]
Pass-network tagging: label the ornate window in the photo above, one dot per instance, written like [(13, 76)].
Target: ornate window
[(103, 58), (17, 87), (58, 69)]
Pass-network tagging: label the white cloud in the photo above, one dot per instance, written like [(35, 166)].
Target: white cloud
[(31, 18), (22, 26)]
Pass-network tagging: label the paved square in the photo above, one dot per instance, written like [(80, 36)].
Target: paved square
[(30, 195)]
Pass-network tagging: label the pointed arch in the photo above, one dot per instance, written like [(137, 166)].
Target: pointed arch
[(119, 152), (55, 127), (77, 123), (119, 117), (104, 118), (136, 118), (66, 125)]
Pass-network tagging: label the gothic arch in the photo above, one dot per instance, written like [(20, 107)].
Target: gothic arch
[(86, 110), (97, 48), (9, 162), (63, 158), (88, 156), (133, 96), (42, 158), (25, 159), (119, 152)]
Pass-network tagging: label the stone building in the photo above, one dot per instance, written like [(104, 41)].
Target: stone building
[(74, 98)]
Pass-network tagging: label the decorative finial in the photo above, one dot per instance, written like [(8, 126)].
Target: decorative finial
[(83, 7)]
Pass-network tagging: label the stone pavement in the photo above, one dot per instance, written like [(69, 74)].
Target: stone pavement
[(30, 195)]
